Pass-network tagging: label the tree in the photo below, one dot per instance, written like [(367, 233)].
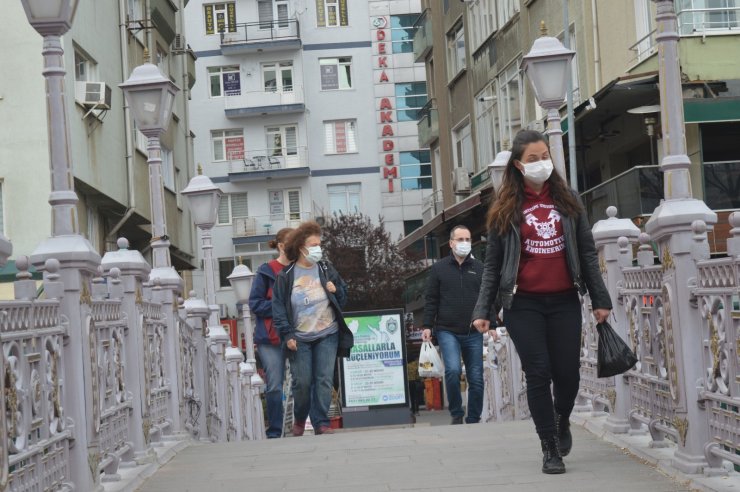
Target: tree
[(369, 261)]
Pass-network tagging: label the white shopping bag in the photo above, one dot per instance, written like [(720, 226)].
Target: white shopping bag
[(430, 364)]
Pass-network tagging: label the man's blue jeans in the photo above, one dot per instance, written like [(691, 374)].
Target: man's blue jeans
[(313, 363), (470, 346), (271, 357)]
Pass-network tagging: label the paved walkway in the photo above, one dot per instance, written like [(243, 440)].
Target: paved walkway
[(428, 457)]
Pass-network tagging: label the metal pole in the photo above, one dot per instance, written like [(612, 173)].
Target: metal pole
[(209, 270), (569, 99), (160, 241)]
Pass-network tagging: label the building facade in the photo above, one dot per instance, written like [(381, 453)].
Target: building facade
[(108, 154), (307, 110)]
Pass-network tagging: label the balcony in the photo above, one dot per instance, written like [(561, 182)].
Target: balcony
[(422, 36), (262, 103), (260, 228), (707, 20), (259, 37), (428, 125), (636, 192), (432, 206), (255, 165)]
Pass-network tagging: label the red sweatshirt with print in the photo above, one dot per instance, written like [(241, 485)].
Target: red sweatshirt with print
[(543, 267)]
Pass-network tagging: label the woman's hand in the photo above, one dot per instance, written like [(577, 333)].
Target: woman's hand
[(330, 287), (482, 325), (292, 344), (601, 315)]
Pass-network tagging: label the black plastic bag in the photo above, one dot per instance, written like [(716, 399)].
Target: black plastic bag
[(614, 357)]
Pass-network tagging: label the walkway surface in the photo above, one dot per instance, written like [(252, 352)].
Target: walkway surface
[(428, 457)]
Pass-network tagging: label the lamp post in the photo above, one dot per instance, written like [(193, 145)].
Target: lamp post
[(241, 280), (203, 199), (547, 66), (497, 168), (151, 96), (77, 259)]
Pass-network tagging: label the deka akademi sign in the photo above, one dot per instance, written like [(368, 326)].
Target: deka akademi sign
[(386, 105)]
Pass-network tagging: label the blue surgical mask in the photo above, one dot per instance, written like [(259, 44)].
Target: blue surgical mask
[(314, 254), (462, 249)]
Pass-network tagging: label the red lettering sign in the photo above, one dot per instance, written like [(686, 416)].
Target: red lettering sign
[(383, 77), (389, 161), (390, 186), (385, 117), (390, 172), (381, 48), (382, 62), (388, 145), (381, 35), (385, 103), (387, 131)]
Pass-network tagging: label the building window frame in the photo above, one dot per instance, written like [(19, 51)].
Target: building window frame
[(278, 140), (334, 141), (415, 169), (218, 75), (230, 144), (350, 194), (402, 33), (225, 267), (332, 13), (409, 104), (228, 210), (280, 69), (456, 57), (343, 72), (219, 17)]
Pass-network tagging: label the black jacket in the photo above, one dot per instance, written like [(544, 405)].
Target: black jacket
[(282, 309), (502, 265), (452, 290)]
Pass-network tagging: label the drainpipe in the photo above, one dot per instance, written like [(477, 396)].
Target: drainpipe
[(189, 163), (597, 47), (110, 237)]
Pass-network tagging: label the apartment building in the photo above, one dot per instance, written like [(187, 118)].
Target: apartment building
[(309, 109), (108, 154)]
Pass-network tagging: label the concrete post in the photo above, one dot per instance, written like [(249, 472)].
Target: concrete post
[(209, 271), (234, 357), (197, 312), (613, 237), (670, 226), (217, 341), (133, 270), (555, 139)]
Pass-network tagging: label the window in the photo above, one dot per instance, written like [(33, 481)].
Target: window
[(511, 100), (227, 145), (455, 51), (416, 170), (224, 81), (294, 204), (225, 267), (481, 21), (269, 11), (488, 124), (721, 169), (410, 226), (340, 136), (573, 65), (344, 199), (168, 169), (402, 32), (463, 153), (85, 68), (282, 140), (506, 10), (278, 77), (336, 73), (220, 17), (163, 62), (277, 205), (698, 16), (645, 41), (410, 97), (232, 206), (331, 13)]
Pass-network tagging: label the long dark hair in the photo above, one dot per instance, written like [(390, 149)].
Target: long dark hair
[(507, 208)]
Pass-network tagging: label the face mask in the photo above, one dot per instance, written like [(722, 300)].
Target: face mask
[(462, 249), (314, 254), (538, 172)]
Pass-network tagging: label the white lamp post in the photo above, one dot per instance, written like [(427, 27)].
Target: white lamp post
[(241, 280), (203, 199), (547, 66), (150, 95), (497, 168)]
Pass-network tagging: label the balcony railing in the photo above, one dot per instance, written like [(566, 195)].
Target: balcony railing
[(260, 103), (260, 32), (422, 36), (636, 192), (708, 20), (428, 124), (268, 159), (265, 225), (432, 206), (722, 185)]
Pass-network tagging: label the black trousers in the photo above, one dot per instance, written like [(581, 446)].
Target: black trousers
[(546, 331)]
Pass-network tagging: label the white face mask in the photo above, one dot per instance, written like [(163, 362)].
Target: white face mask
[(314, 254), (537, 172), (462, 249)]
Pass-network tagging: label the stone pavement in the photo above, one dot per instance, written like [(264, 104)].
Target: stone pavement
[(428, 457)]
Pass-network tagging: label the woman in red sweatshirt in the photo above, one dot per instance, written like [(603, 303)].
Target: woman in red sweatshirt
[(540, 256)]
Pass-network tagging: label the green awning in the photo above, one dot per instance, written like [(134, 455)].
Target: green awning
[(8, 272), (711, 110)]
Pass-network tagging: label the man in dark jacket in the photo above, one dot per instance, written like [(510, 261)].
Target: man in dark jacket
[(452, 290)]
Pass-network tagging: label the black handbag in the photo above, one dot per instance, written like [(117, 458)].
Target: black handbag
[(614, 356)]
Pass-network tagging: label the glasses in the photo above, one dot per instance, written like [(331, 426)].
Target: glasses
[(462, 240)]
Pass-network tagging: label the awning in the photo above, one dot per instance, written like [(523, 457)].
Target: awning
[(711, 110), (422, 231), (8, 272)]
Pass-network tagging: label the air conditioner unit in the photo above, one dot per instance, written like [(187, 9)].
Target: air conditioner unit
[(179, 43), (93, 94), (223, 311), (460, 181)]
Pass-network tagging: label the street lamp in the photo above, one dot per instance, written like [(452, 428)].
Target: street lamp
[(497, 168), (150, 95), (547, 66), (50, 17), (203, 200), (241, 280)]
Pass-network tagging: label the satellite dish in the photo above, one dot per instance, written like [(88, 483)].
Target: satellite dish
[(645, 109)]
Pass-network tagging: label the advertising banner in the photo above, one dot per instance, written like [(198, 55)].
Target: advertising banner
[(374, 375)]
